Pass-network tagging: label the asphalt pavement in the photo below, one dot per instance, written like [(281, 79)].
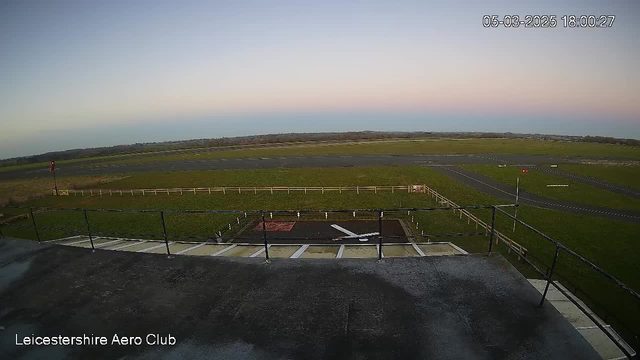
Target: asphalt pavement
[(447, 307)]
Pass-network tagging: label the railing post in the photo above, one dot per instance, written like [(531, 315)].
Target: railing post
[(1, 235), (380, 235), (86, 219), (550, 277), (35, 227), (493, 227), (264, 236), (164, 231)]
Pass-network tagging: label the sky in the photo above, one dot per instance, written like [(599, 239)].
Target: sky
[(99, 73)]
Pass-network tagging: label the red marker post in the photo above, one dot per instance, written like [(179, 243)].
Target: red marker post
[(52, 168)]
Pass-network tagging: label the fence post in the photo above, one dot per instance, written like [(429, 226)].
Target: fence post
[(550, 277), (380, 235), (493, 227), (264, 236), (1, 235), (86, 220), (35, 227), (164, 231)]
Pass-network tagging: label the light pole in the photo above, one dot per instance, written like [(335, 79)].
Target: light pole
[(515, 215), (52, 168)]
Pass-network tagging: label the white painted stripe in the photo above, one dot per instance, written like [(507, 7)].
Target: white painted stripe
[(77, 242), (189, 249), (65, 238), (126, 246), (457, 248), (259, 252), (340, 228), (340, 252), (152, 248), (107, 243), (592, 327), (417, 249), (224, 250), (299, 252)]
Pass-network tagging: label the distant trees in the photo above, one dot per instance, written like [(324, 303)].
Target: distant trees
[(263, 140)]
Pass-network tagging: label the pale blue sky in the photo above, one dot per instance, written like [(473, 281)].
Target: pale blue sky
[(88, 73)]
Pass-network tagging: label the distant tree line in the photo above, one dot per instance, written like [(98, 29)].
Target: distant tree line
[(257, 140)]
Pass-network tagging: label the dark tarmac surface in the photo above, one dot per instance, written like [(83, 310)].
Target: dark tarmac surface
[(96, 168), (451, 307), (500, 190), (321, 230)]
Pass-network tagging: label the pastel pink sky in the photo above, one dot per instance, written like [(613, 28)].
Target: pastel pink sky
[(88, 66)]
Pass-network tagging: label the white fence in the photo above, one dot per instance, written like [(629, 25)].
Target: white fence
[(244, 189), (511, 245)]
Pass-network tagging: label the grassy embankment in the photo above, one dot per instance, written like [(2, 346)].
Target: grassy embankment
[(536, 183)]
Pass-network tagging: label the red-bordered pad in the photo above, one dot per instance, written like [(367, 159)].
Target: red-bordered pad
[(275, 226)]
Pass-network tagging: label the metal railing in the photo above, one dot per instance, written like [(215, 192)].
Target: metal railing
[(494, 235), (548, 276)]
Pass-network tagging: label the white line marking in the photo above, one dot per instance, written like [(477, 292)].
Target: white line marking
[(547, 203), (259, 251), (76, 242), (126, 246), (340, 252), (152, 248), (189, 249), (457, 248), (418, 250), (107, 243), (592, 327), (65, 238), (224, 250), (299, 252), (340, 228)]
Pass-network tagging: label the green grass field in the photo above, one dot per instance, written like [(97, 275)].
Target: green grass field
[(536, 182), (428, 146), (610, 244), (623, 175), (418, 146)]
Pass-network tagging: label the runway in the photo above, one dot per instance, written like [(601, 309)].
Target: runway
[(446, 164), (97, 168), (500, 190)]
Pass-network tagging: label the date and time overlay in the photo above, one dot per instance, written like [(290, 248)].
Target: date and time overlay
[(548, 21)]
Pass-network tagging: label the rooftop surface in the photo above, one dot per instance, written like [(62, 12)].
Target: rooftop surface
[(449, 307)]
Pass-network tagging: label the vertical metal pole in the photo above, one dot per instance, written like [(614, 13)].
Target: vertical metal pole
[(380, 235), (493, 227), (1, 235), (164, 231), (550, 277), (35, 227), (55, 182), (86, 219), (515, 214), (264, 235)]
